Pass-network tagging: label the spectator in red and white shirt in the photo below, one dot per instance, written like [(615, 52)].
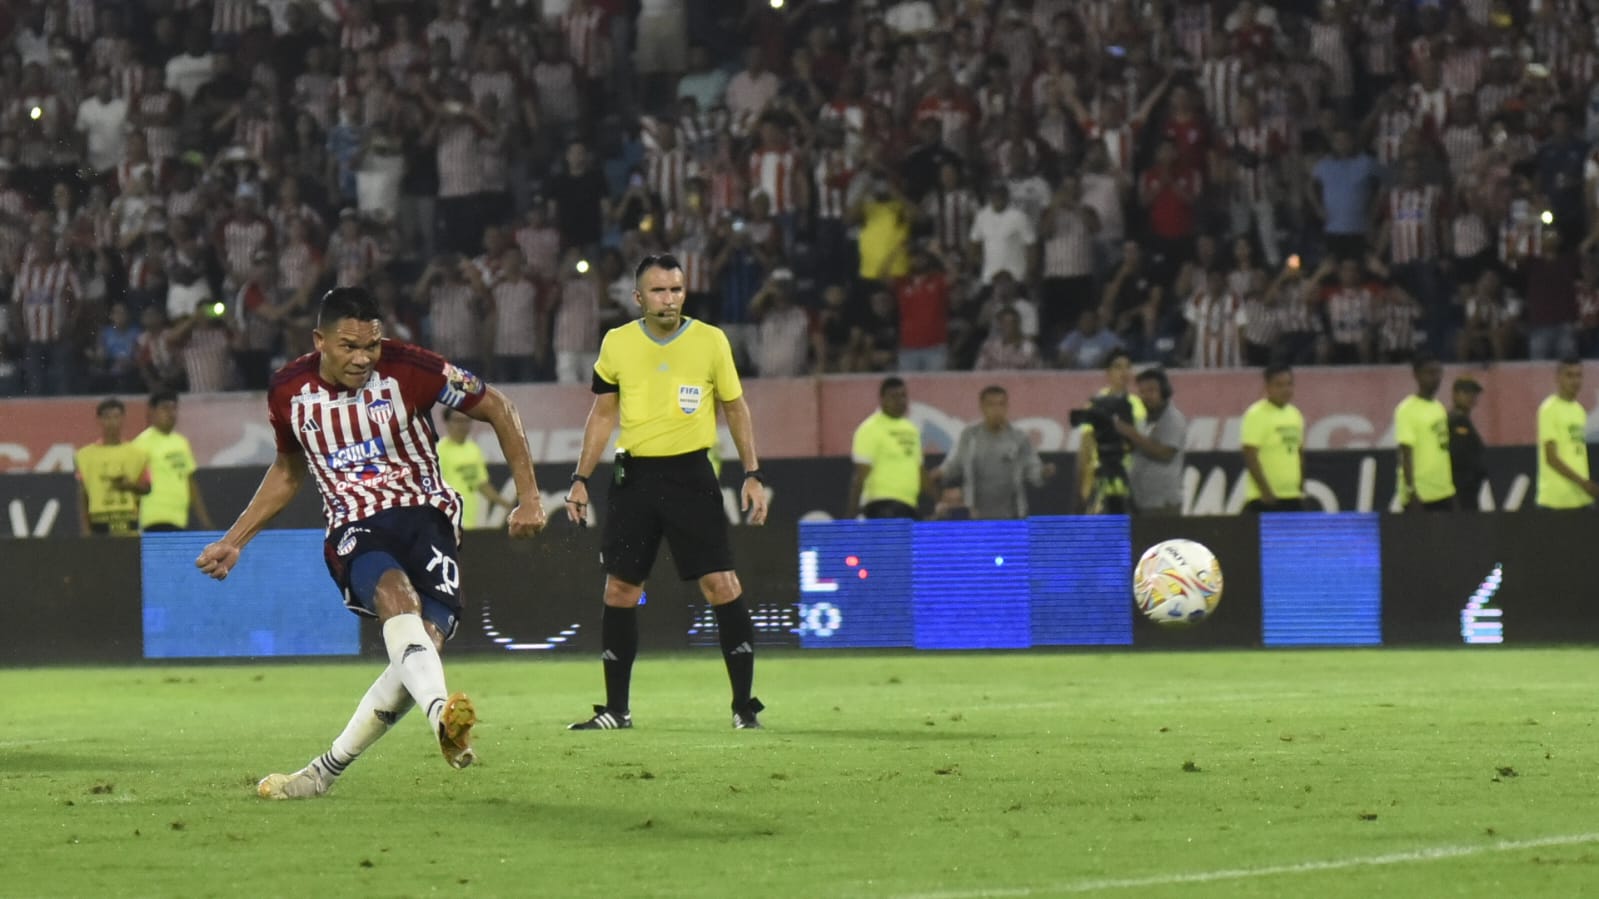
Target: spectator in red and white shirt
[(1215, 317), (353, 254), (518, 316), (774, 171), (454, 294), (783, 330), (1007, 348), (300, 261), (204, 342), (1350, 308), (576, 331), (243, 234), (540, 241), (44, 300)]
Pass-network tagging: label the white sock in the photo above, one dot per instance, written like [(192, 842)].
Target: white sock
[(411, 653), (385, 702)]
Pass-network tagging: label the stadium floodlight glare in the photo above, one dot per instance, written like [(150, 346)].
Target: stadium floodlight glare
[(582, 266)]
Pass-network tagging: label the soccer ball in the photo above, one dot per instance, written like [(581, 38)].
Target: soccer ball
[(1177, 582)]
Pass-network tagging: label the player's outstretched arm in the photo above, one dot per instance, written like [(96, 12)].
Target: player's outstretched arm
[(742, 426), (278, 487), (528, 516)]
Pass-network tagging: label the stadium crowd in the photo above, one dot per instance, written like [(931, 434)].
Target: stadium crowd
[(851, 186)]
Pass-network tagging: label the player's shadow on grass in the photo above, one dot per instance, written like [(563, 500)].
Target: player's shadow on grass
[(644, 821), (912, 732), (21, 761)]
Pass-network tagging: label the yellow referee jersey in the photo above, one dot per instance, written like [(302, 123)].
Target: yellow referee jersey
[(669, 388)]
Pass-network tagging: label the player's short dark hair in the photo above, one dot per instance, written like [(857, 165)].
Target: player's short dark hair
[(107, 404), (1278, 368), (162, 397), (656, 260), (992, 390), (889, 384), (347, 302), (1116, 354), (1570, 360)]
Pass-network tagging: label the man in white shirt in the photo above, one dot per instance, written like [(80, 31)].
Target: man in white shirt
[(911, 18), (190, 70), (1004, 236), (102, 119), (749, 91)]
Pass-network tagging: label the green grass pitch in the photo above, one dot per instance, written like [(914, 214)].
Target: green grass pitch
[(1252, 774)]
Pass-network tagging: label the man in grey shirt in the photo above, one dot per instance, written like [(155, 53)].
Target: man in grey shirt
[(1156, 476), (987, 471)]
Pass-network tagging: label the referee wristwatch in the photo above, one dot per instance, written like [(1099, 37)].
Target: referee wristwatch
[(580, 479), (757, 474)]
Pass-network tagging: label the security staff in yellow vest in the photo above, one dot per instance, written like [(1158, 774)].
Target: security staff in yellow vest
[(112, 476), (887, 451), (173, 491)]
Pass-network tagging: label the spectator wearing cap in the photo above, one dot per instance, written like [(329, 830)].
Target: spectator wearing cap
[(1465, 444), (782, 332)]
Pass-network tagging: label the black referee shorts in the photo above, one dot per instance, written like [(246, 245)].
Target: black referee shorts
[(676, 497)]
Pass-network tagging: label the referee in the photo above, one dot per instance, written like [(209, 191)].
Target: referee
[(662, 376)]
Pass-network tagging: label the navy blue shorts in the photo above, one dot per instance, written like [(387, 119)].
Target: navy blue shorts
[(419, 541)]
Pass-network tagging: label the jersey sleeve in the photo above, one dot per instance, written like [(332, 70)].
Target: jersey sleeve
[(1404, 426), (1548, 426), (282, 424), (860, 448), (1253, 431), (607, 375), (426, 378), (724, 374)]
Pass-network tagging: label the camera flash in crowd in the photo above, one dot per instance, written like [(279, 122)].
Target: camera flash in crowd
[(1547, 217), (582, 266), (35, 113), (776, 4)]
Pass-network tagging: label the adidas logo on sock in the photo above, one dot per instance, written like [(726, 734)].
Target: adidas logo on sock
[(742, 649), (607, 656), (411, 650)]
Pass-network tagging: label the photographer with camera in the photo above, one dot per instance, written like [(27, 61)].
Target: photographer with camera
[(1102, 463), (1157, 475)]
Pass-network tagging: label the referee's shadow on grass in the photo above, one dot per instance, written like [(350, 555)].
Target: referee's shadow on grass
[(24, 760)]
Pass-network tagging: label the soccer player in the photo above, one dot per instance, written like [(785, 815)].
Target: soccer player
[(662, 377), (1465, 445), (461, 460), (1421, 427), (112, 476), (887, 451), (1101, 451), (173, 490), (1562, 450), (1273, 435), (356, 414)]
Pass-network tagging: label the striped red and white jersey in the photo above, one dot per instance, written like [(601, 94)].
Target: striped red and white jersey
[(1414, 216), (375, 448), (726, 192), (460, 172), (952, 213), (46, 292), (833, 175), (142, 272), (516, 328), (1470, 234), (956, 118), (1462, 143), (1069, 250), (541, 249), (585, 40), (353, 38), (231, 17), (1262, 322), (1392, 126), (1327, 45), (1396, 317), (577, 317), (1121, 143), (666, 172), (1431, 108), (80, 20), (353, 259), (257, 134), (127, 81), (207, 357), (453, 313), (1254, 150), (1217, 322), (772, 172), (1461, 70), (282, 217), (1380, 45), (1492, 99), (298, 265), (241, 238), (852, 118), (1520, 239), (1350, 312), (1221, 84)]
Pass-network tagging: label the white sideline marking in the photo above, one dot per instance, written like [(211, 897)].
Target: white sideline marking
[(1364, 861)]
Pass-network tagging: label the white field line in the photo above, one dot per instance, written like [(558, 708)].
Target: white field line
[(1361, 861)]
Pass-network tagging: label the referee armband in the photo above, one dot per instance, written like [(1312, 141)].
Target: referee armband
[(600, 385)]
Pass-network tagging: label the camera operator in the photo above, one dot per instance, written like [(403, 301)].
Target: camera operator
[(1102, 461), (1157, 473)]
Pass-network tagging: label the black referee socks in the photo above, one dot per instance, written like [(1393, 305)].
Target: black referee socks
[(737, 632), (619, 638)]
